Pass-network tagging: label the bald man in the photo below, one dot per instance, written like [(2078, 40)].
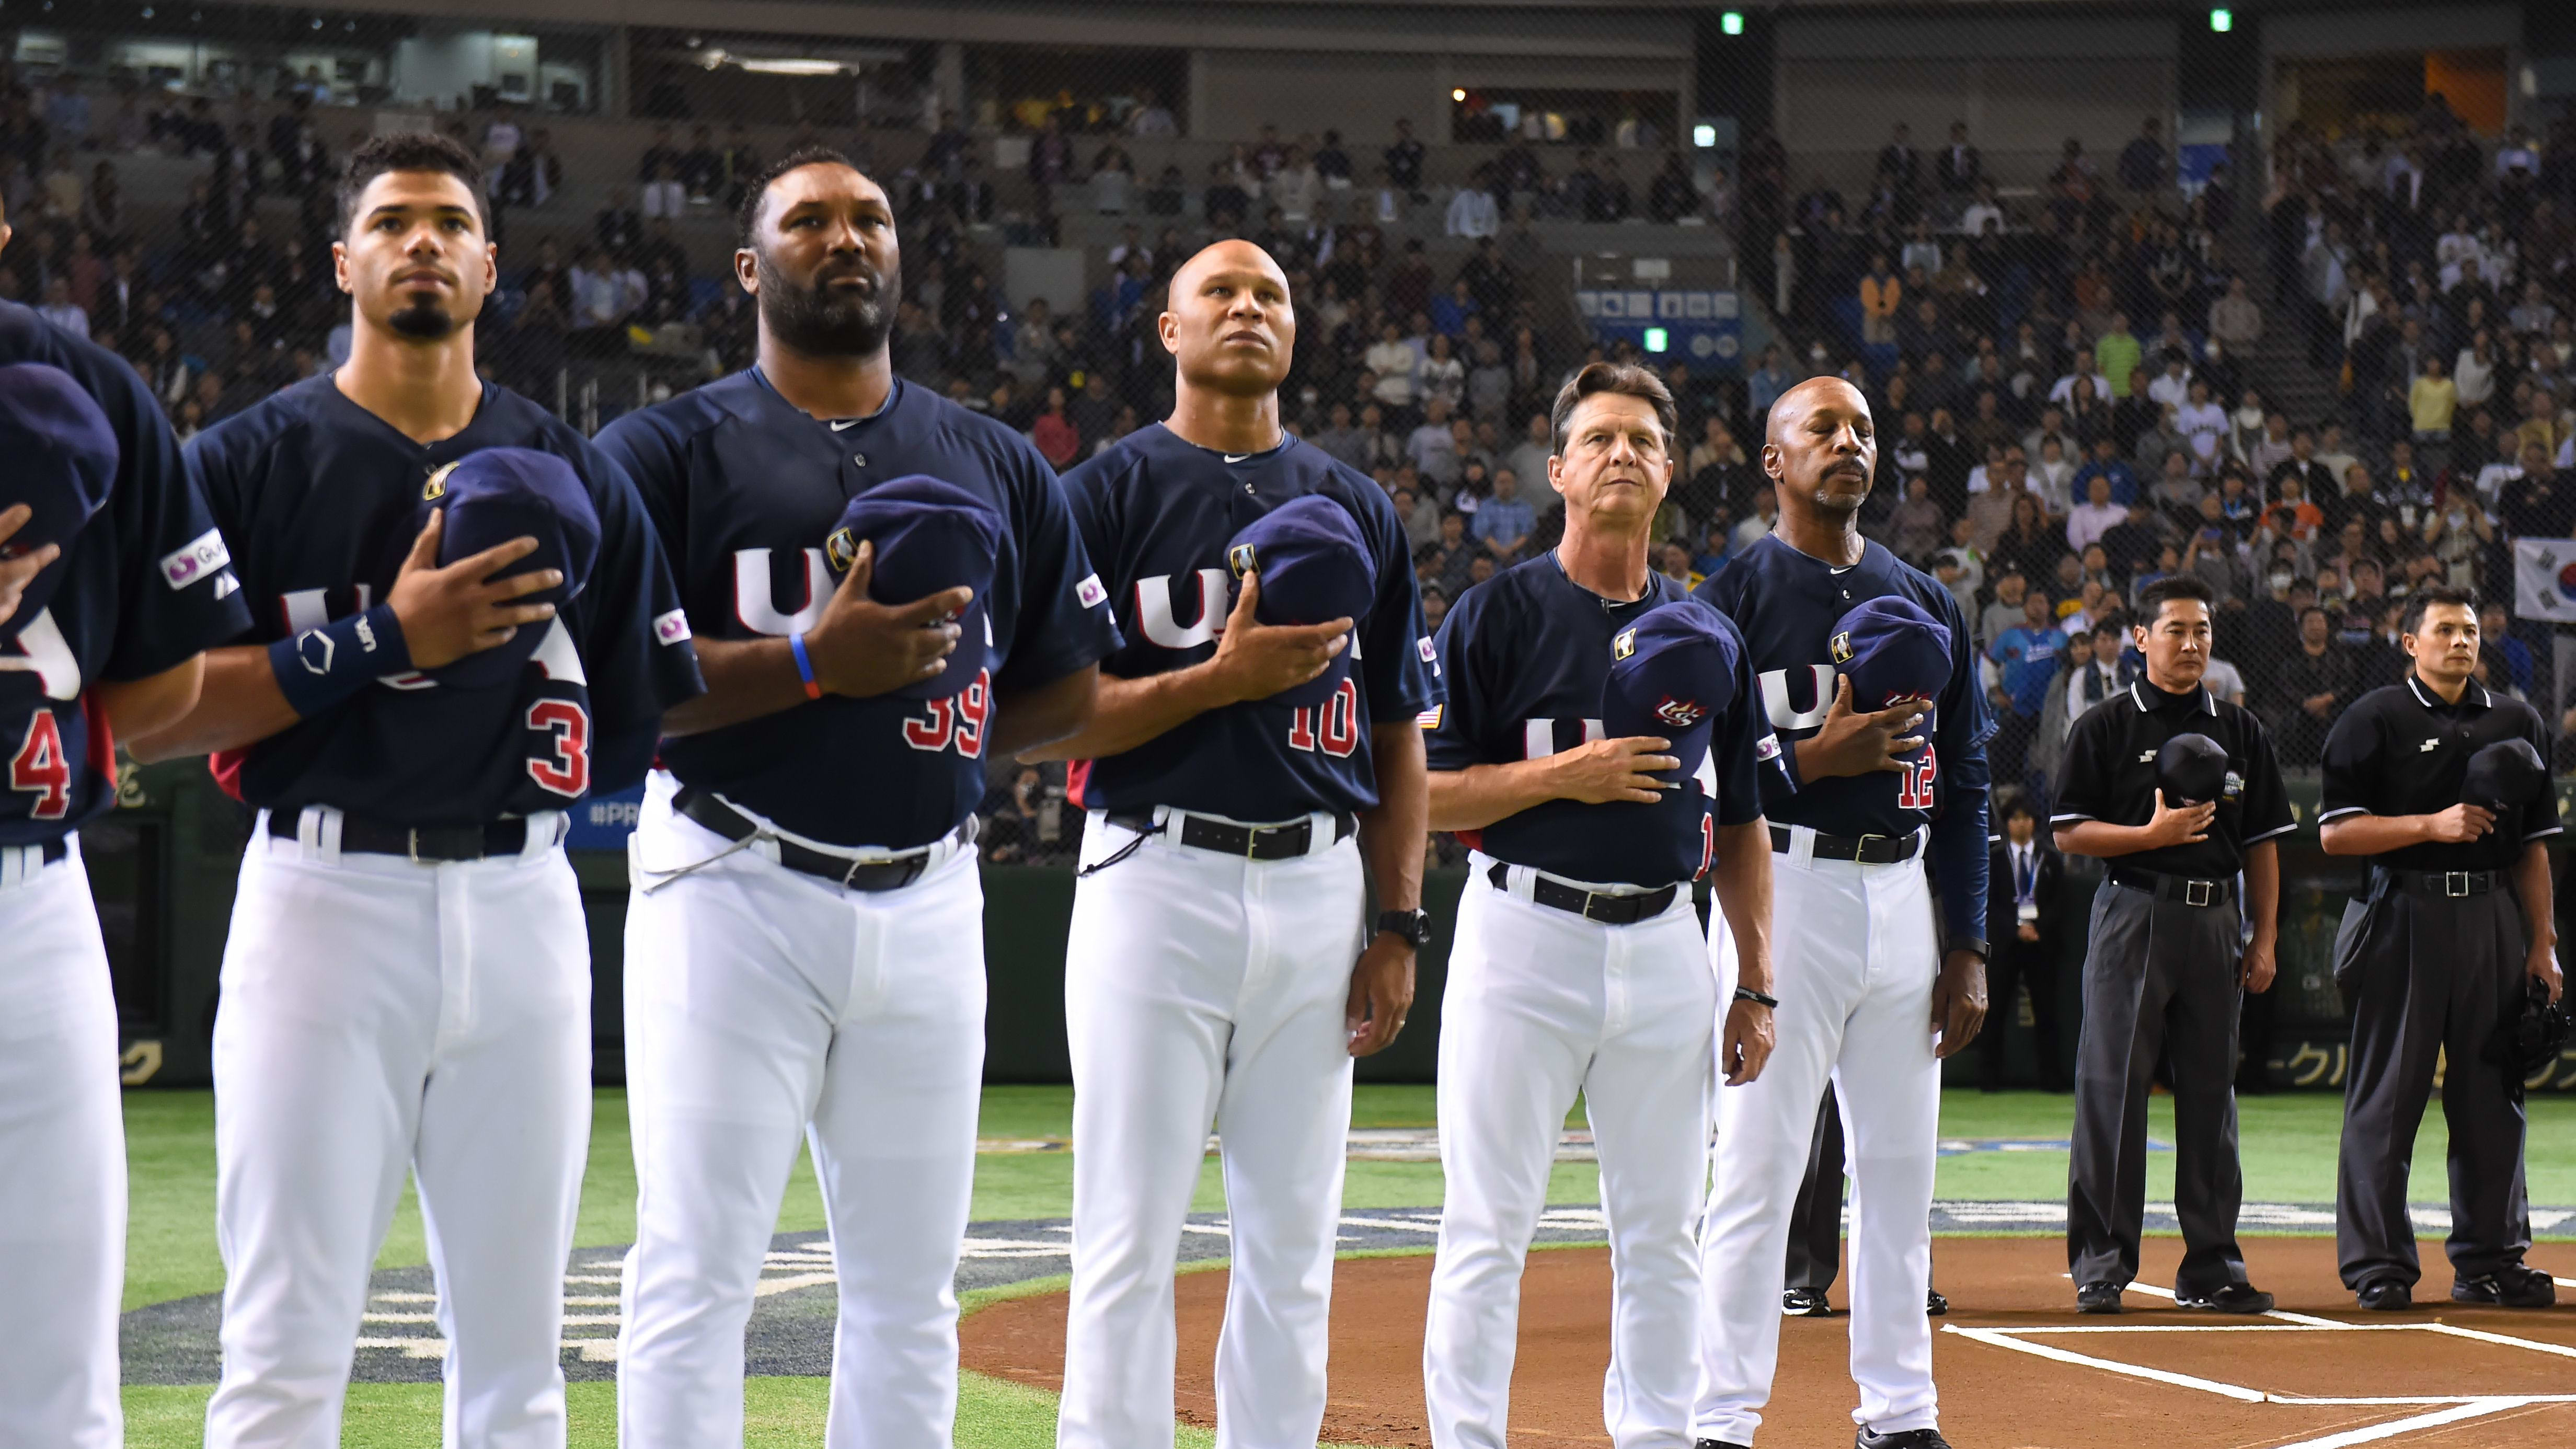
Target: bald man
[(1219, 969), (1877, 980)]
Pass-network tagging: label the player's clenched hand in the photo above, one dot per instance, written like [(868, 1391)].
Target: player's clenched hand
[(1256, 660), (1856, 742), (862, 648), (1598, 772), (2188, 825), (2461, 824), (448, 613), (1381, 994), (1746, 1043), (17, 573), (1959, 1001), (2256, 968)]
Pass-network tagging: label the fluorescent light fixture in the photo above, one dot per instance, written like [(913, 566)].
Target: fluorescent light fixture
[(1704, 137), (790, 65)]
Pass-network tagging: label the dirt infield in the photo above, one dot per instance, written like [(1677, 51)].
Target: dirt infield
[(2017, 1368)]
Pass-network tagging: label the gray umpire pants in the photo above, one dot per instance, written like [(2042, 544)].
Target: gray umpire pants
[(2158, 973), (2426, 974)]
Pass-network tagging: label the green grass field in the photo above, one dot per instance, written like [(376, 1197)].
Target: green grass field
[(2288, 1141)]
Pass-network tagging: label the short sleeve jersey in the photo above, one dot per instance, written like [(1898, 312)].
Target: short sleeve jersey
[(2110, 775), (743, 487), (2400, 750), (146, 584), (325, 500), (1157, 513), (1525, 656)]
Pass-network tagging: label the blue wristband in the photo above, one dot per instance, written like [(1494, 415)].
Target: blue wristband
[(804, 666), (322, 666)]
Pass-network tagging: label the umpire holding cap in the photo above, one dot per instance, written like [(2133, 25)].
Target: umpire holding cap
[(1599, 750), (2441, 785), (2180, 792)]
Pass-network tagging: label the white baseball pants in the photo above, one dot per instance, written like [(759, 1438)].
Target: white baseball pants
[(1856, 955), (1542, 1004), (1205, 988), (380, 1013), (765, 1006), (62, 1161)]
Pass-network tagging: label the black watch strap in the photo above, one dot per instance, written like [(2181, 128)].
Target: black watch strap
[(1747, 993), (1413, 926), (1971, 943)]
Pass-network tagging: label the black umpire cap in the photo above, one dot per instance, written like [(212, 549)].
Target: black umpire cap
[(494, 495), (62, 458), (930, 536), (2503, 775), (1314, 568), (1672, 673), (2191, 769)]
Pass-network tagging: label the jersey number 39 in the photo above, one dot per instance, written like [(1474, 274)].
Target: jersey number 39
[(957, 721)]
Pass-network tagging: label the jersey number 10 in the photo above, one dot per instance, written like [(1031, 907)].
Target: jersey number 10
[(1341, 732)]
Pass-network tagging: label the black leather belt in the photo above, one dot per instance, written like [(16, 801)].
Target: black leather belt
[(424, 843), (1608, 909), (1867, 850), (2180, 888), (1249, 842), (892, 873), (2452, 883)]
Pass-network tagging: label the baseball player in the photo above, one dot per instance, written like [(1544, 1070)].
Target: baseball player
[(2179, 791), (804, 947), (1870, 995), (407, 981), (1216, 970), (1598, 752), (112, 582), (2435, 951)]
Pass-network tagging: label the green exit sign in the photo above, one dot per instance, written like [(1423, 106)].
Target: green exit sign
[(2222, 21)]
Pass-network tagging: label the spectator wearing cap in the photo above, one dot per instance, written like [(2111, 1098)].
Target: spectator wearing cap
[(2441, 785), (2180, 793), (2025, 924)]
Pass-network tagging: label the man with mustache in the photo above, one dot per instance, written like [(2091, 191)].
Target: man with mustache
[(804, 947), (407, 981), (1217, 970), (1872, 995)]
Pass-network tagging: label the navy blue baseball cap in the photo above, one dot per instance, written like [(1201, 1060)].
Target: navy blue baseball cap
[(1892, 649), (493, 496), (1314, 568), (1672, 673), (930, 536), (2191, 770), (62, 456), (2504, 775)]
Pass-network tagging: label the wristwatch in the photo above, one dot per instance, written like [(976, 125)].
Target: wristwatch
[(1970, 943), (1413, 926)]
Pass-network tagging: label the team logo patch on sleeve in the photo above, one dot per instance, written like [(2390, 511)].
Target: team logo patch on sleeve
[(1423, 647), (1089, 593), (202, 556), (1767, 748), (672, 627), (1430, 718)]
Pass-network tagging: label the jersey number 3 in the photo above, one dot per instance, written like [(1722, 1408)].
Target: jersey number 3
[(40, 769), (568, 773), (1914, 782)]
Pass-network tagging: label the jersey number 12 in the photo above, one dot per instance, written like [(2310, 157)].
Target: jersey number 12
[(1914, 782)]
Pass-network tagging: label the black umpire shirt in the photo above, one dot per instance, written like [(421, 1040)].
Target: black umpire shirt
[(2401, 751), (2111, 776)]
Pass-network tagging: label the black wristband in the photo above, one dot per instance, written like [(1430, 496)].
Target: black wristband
[(1747, 993), (322, 666)]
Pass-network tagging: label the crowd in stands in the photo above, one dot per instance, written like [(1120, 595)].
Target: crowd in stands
[(2060, 382)]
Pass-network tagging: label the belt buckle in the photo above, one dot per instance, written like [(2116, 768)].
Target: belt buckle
[(2199, 892), (2455, 883), (1252, 842), (411, 845), (1590, 899), (1860, 847)]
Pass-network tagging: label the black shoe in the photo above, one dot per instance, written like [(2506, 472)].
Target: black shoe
[(1902, 1439), (1934, 1305), (2511, 1286), (2234, 1298), (2098, 1298), (1804, 1303), (1715, 1444), (2385, 1295)]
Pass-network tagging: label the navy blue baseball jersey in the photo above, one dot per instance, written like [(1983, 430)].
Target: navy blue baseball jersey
[(1524, 656), (1157, 513), (1786, 603), (745, 487), (325, 499), (146, 584)]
